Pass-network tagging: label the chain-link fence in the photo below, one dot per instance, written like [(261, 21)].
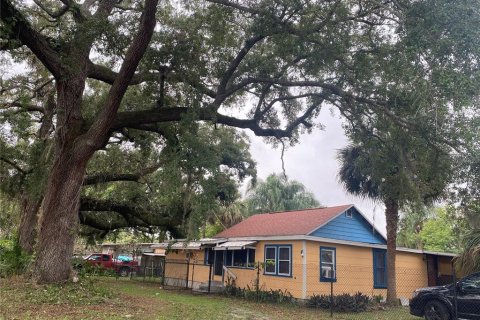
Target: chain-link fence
[(354, 291)]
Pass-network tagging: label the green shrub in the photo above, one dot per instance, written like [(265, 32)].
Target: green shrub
[(13, 260), (248, 293), (341, 303), (321, 301), (378, 298)]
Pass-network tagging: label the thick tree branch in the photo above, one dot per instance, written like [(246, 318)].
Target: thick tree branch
[(111, 177), (13, 164), (23, 31), (133, 215), (54, 14), (23, 107), (135, 118), (99, 131), (234, 65), (235, 6), (102, 73)]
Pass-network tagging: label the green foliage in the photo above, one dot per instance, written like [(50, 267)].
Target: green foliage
[(252, 294), (213, 229), (358, 302), (85, 292), (393, 165), (13, 261), (87, 272), (437, 234), (434, 229), (194, 177), (277, 193), (9, 216), (469, 259)]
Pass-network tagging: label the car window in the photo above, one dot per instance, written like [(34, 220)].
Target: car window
[(471, 283), (106, 257), (94, 257)]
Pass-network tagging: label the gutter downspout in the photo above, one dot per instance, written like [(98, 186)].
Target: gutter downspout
[(304, 269)]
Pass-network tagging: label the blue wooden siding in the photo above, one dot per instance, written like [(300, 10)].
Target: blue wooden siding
[(355, 229)]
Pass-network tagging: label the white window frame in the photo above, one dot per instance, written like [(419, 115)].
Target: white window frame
[(331, 265)]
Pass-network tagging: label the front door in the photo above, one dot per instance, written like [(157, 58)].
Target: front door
[(469, 297), (218, 267)]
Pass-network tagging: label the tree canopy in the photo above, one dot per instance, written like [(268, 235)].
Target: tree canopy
[(264, 65), (277, 193)]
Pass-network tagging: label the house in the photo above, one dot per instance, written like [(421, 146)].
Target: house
[(305, 252)]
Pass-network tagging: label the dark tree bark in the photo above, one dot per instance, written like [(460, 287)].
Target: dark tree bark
[(58, 220), (391, 214), (27, 231), (31, 201)]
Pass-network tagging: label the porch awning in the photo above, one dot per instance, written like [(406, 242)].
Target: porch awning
[(181, 245), (187, 245), (235, 245)]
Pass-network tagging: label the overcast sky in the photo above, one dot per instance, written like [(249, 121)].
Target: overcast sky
[(313, 162)]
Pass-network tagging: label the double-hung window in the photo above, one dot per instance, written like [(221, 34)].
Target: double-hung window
[(278, 260), (328, 260), (270, 260), (379, 268)]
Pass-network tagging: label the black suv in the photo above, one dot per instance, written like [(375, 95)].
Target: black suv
[(437, 303)]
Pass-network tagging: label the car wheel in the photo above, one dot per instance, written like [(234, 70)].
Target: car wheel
[(435, 310), (124, 272)]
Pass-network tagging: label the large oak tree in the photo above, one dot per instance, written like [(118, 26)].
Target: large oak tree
[(278, 62)]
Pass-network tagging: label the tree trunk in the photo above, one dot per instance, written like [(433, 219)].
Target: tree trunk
[(73, 148), (58, 217), (58, 221), (391, 213), (27, 231), (31, 200)]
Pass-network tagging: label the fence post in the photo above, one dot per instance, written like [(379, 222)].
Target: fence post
[(188, 271), (257, 283), (163, 270), (144, 272), (193, 272), (209, 277), (455, 298), (331, 298)]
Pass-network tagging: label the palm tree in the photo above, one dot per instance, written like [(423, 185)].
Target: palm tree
[(357, 178), (398, 171), (469, 260), (277, 193)]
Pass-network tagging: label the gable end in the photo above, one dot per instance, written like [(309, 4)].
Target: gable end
[(350, 225)]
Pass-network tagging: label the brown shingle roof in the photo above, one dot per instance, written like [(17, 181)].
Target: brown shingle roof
[(300, 222)]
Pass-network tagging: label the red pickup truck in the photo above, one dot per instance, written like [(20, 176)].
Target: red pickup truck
[(122, 267)]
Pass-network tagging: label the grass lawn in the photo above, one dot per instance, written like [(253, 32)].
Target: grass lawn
[(143, 300)]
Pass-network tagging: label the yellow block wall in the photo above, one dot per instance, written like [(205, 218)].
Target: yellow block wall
[(354, 270), (292, 284)]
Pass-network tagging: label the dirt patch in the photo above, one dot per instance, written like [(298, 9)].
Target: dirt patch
[(244, 314)]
